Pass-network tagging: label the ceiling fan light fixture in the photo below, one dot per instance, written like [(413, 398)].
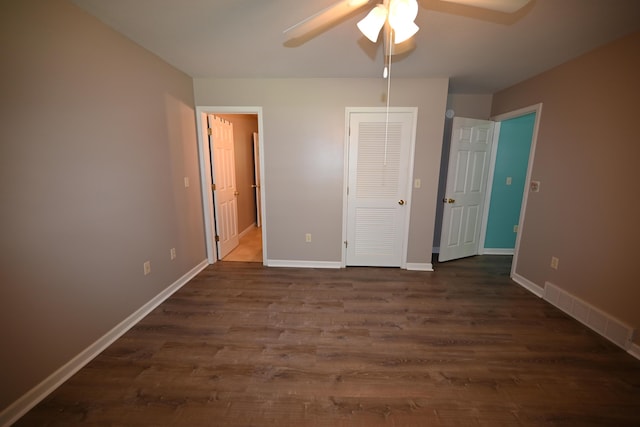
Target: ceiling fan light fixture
[(405, 32), (357, 3), (402, 11), (402, 14), (371, 24)]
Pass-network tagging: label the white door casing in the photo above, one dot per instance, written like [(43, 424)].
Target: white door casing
[(224, 177), (380, 161), (257, 185), (464, 200)]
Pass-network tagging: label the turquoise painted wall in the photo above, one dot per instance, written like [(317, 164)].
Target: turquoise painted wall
[(512, 158)]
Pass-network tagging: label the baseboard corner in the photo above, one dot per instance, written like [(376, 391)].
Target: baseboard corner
[(419, 266), (26, 402), (634, 350), (528, 285)]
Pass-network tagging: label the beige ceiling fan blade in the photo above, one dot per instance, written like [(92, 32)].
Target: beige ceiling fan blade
[(323, 18), (506, 6)]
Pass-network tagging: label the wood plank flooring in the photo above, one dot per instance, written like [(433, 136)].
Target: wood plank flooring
[(245, 345)]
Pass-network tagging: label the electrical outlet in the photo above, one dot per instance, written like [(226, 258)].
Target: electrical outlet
[(307, 237), (534, 186), (417, 183), (509, 180), (186, 182), (554, 262), (515, 228), (147, 267), (172, 253)]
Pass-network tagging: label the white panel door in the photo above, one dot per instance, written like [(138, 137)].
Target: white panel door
[(469, 159), (378, 187), (224, 177)]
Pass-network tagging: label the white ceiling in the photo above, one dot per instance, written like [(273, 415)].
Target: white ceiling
[(480, 51)]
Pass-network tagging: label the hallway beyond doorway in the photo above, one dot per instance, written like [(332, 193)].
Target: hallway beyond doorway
[(250, 247)]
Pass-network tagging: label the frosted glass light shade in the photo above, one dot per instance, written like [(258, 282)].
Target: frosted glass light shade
[(405, 32), (402, 13), (371, 25)]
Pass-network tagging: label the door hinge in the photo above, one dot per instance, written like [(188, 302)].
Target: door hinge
[(217, 238), (209, 131), (346, 244), (347, 190), (213, 187)]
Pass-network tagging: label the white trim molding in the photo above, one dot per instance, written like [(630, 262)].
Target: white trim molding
[(497, 251), (348, 111), (634, 350), (528, 285), (419, 266), (205, 173), (30, 399), (247, 230), (302, 264), (603, 323)]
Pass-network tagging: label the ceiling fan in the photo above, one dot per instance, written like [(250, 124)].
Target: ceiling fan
[(395, 17)]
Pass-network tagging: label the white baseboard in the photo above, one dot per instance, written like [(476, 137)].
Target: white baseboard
[(302, 264), (247, 230), (30, 399), (484, 251), (497, 251), (419, 266), (332, 264), (603, 323), (634, 350), (528, 285)]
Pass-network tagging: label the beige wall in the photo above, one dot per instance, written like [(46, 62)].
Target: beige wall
[(304, 126), (586, 159), (244, 125), (97, 135)]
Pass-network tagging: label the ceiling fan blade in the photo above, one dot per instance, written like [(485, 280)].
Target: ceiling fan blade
[(506, 6), (323, 18)]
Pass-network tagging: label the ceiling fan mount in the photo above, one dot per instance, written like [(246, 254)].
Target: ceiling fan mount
[(394, 18)]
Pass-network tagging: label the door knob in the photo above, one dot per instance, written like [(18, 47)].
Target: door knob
[(448, 200), (235, 193), (401, 202)]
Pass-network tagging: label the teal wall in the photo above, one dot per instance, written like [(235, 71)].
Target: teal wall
[(512, 158)]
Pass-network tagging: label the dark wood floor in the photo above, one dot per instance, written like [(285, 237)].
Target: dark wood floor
[(245, 345)]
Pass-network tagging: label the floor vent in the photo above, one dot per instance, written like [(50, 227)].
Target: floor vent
[(604, 324)]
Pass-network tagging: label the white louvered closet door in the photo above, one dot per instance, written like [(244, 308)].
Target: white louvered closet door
[(378, 188)]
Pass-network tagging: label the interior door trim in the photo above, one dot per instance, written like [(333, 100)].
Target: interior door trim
[(205, 172), (348, 112), (535, 108)]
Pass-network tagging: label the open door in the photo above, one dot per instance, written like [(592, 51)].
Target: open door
[(223, 184), (469, 160)]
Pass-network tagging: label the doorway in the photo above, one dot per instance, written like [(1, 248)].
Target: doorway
[(535, 109), (248, 235)]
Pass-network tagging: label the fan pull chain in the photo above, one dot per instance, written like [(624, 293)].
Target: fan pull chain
[(387, 74)]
